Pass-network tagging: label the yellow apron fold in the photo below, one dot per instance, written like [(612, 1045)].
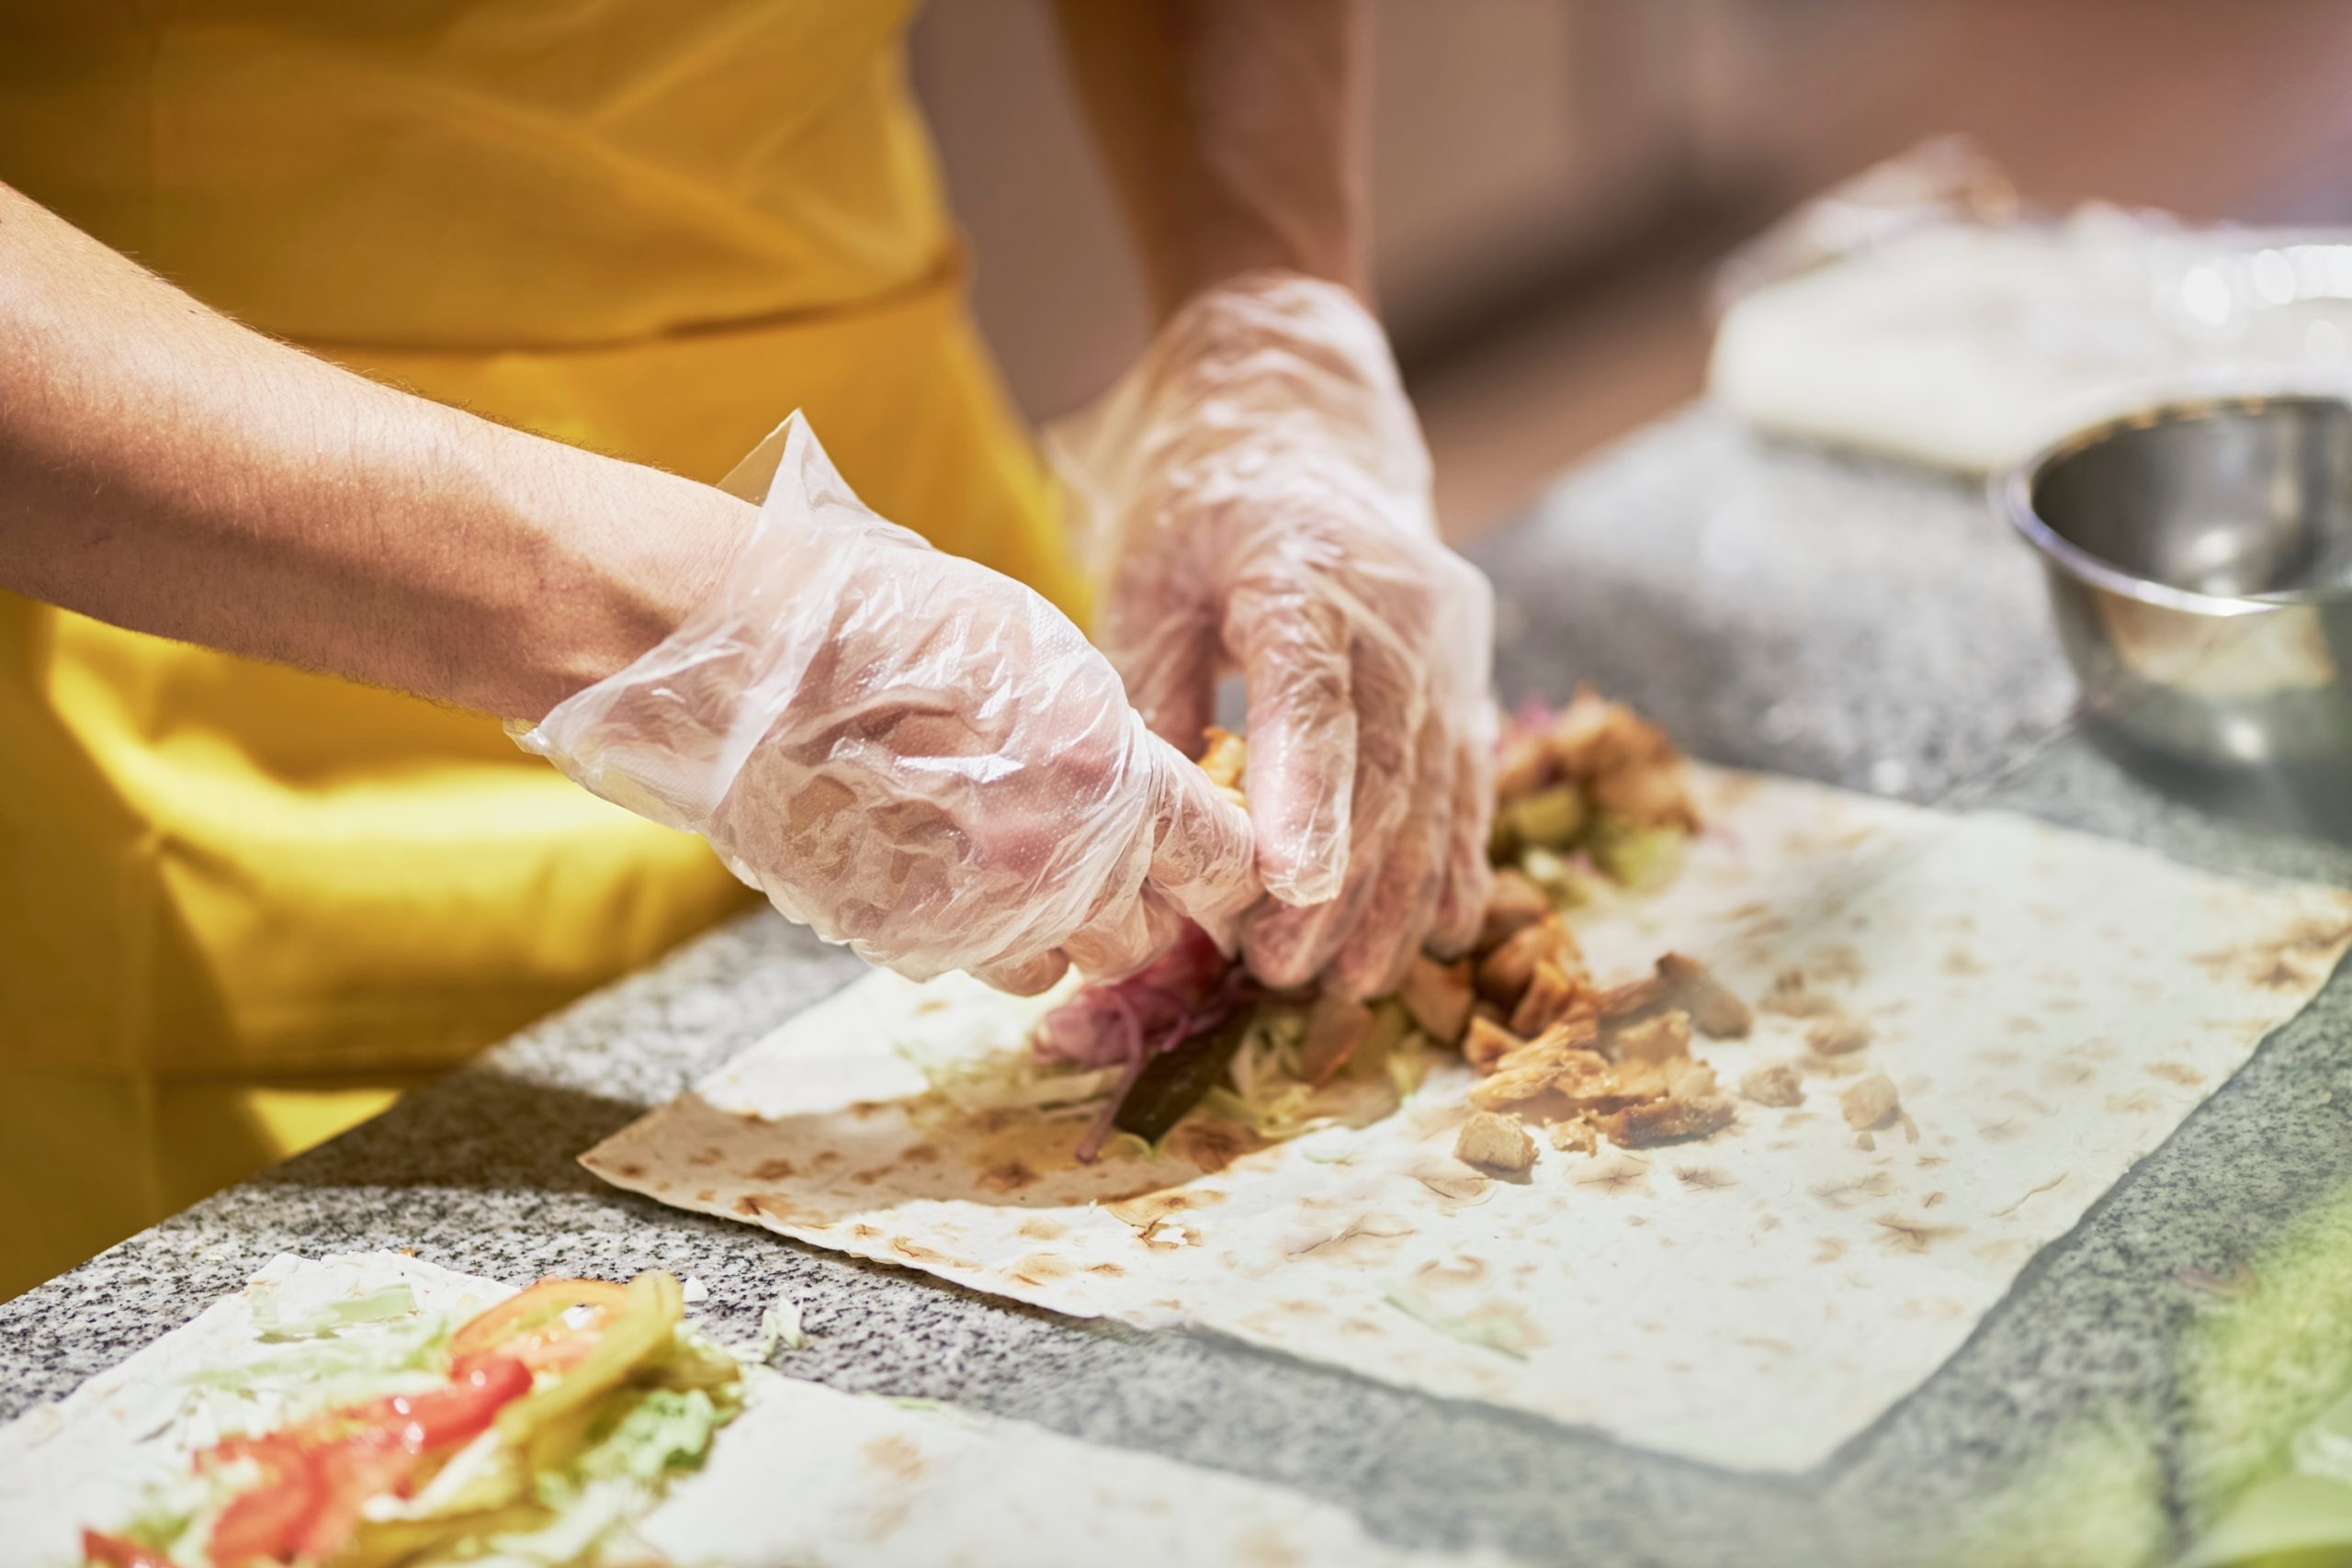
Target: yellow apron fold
[(241, 907)]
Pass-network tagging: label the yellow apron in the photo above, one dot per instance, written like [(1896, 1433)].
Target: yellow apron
[(242, 906)]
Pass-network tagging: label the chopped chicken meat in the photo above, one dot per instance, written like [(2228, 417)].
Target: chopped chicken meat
[(1506, 972), (1667, 1121), (1500, 1144), (1714, 1007), (1439, 997), (1226, 761), (1552, 997), (1514, 904), (1657, 1038), (1870, 1103), (1838, 1035), (1487, 1043), (1777, 1086), (1335, 1030)]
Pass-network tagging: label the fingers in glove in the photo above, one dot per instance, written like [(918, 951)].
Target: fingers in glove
[(1026, 977), (1468, 877), (1171, 673), (1291, 946), (1204, 849), (1303, 738), (1112, 950), (1387, 930)]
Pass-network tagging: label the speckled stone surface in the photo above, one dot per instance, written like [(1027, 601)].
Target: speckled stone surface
[(1775, 606)]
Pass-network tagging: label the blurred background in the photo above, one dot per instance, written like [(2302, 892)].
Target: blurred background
[(1555, 179)]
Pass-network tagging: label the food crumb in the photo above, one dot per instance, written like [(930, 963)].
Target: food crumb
[(1500, 1144), (1870, 1103), (1838, 1035), (1777, 1086)]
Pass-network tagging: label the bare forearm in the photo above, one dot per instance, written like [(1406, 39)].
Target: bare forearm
[(165, 469), (1235, 131)]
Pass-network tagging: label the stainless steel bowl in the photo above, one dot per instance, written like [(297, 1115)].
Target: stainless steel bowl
[(2199, 559)]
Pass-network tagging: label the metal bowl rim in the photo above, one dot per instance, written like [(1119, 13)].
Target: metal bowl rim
[(2012, 495)]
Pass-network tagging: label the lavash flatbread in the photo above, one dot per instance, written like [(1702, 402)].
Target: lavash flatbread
[(2051, 1006), (804, 1475)]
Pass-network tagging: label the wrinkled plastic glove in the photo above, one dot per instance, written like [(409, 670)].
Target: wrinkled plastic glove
[(907, 752), (1256, 497)]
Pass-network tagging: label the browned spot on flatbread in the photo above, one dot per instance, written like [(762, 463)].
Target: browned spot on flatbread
[(919, 1153), (2007, 1130), (1829, 1249), (2180, 1073), (706, 1195), (914, 1251), (1931, 1200), (1703, 1177), (1040, 1268), (1211, 1143), (1614, 1173), (1008, 1176), (1911, 1235), (1366, 1240), (1145, 1209), (2019, 1023), (1962, 962), (869, 1176), (896, 1455), (1263, 1548), (774, 1170), (1107, 1269), (2060, 1073), (864, 1231), (706, 1157), (1038, 1228), (1928, 1162), (631, 1169), (1778, 1346), (2138, 1102), (1862, 1189), (1453, 1183), (1440, 1273), (780, 1208), (866, 1110), (1835, 965)]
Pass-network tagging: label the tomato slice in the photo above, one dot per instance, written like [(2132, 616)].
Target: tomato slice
[(548, 1328), (438, 1417), (114, 1551), (264, 1523), (369, 1464)]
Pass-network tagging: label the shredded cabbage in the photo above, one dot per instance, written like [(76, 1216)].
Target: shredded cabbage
[(1639, 858), (1008, 1080), (395, 1300)]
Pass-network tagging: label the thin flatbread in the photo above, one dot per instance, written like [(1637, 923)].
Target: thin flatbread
[(805, 1474), (2049, 1004)]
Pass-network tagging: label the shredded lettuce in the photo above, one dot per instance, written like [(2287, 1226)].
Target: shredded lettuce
[(779, 1329), (273, 1322), (1007, 1080), (1639, 858)]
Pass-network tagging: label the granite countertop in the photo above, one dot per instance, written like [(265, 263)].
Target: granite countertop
[(1774, 606)]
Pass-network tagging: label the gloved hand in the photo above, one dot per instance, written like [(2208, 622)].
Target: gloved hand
[(907, 752), (1256, 496)]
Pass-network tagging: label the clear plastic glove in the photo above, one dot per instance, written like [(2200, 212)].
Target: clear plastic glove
[(907, 752), (1257, 498)]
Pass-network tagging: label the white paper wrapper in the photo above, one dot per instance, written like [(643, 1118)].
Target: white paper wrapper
[(803, 1475), (1969, 346), (2051, 1005)]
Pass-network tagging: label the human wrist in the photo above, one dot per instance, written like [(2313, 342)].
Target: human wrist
[(625, 553)]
